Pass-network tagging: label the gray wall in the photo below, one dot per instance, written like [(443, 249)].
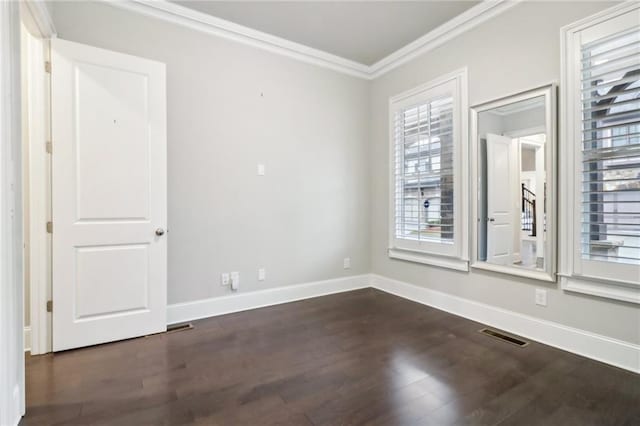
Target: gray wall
[(231, 106), (516, 51), (323, 137)]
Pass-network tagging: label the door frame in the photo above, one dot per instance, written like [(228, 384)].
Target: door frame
[(12, 365), (519, 134), (540, 176), (39, 336), (37, 20)]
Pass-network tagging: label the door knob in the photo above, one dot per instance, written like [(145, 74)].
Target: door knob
[(491, 219), (159, 232)]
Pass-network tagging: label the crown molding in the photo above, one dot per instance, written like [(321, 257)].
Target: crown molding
[(41, 18), (203, 22), (177, 14), (440, 35)]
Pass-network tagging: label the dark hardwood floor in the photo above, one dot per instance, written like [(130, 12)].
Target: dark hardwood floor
[(363, 357)]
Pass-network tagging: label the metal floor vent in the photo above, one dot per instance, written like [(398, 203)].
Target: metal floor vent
[(179, 327), (504, 337), (174, 328)]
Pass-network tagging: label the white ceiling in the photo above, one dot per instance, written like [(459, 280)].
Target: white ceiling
[(364, 31)]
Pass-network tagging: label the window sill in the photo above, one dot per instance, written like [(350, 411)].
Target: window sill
[(429, 259), (512, 270), (610, 290)]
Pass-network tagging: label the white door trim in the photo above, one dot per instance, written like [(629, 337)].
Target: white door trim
[(39, 244), (36, 18), (37, 12), (12, 384)]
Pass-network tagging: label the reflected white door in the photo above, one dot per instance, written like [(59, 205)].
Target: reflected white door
[(501, 157), (108, 195)]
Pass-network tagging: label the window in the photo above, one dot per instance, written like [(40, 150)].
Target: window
[(602, 74), (428, 181)]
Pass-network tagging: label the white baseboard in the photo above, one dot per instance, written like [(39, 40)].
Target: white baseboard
[(27, 339), (600, 348), (18, 408), (188, 311)]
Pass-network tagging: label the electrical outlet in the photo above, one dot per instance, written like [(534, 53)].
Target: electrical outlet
[(224, 279), (261, 170), (541, 297), (346, 263), (235, 281), (262, 274)]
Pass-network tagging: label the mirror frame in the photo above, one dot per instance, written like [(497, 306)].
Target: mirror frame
[(551, 253)]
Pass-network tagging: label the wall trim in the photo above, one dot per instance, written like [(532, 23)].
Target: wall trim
[(12, 378), (591, 345), (573, 276), (41, 17), (600, 288), (199, 21), (189, 311), (601, 348), (467, 20), (429, 259), (39, 168), (27, 338), (206, 23)]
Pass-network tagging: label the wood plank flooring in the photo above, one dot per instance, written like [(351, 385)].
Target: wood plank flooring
[(363, 357)]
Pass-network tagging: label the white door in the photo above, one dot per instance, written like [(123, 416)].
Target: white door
[(500, 201), (108, 195)]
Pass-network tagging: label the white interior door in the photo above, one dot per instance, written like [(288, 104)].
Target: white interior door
[(108, 195), (501, 155)]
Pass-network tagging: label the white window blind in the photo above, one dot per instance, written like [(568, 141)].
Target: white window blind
[(424, 171), (428, 214), (610, 148)]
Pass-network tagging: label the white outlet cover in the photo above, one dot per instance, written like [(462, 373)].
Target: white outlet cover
[(224, 279), (541, 297), (261, 169), (262, 274), (235, 281), (347, 263)]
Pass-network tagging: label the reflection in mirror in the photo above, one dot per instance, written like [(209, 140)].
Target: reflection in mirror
[(512, 184)]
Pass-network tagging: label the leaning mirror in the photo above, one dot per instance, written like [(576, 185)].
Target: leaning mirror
[(513, 160)]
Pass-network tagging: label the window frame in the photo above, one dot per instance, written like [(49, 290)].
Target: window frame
[(604, 279), (448, 255)]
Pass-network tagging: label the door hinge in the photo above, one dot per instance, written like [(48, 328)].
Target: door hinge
[(47, 66), (50, 227), (49, 305), (49, 148)]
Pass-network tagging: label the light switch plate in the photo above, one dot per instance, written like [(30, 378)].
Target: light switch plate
[(541, 297), (261, 170)]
